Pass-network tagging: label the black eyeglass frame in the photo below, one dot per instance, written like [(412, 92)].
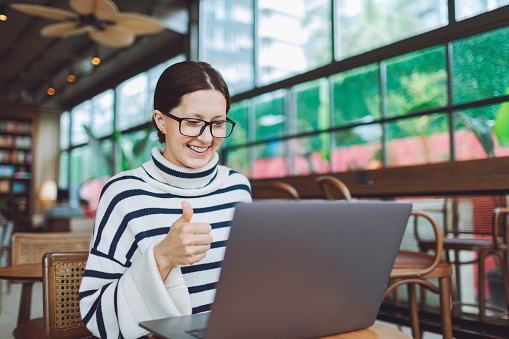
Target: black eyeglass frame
[(207, 123)]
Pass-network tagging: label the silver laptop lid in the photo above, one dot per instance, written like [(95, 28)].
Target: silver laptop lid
[(305, 269)]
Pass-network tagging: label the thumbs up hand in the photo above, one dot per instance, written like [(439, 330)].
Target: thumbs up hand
[(187, 243)]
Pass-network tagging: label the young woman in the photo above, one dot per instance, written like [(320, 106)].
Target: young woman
[(161, 229)]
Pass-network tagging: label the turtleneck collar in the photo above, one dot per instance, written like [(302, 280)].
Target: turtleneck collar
[(168, 173)]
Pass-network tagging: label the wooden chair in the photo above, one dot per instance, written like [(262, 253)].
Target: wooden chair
[(273, 190), (413, 268), (59, 225), (470, 225), (28, 248), (62, 275), (333, 188)]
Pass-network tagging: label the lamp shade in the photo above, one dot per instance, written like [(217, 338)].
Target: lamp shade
[(48, 190)]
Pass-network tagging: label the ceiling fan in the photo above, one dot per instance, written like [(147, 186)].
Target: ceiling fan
[(100, 18)]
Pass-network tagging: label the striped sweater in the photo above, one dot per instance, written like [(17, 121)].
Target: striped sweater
[(122, 285)]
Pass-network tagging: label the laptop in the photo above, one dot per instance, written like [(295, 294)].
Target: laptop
[(300, 269)]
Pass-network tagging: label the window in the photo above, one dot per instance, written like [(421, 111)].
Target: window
[(238, 159), (365, 25), (102, 122), (294, 35), (416, 81), (270, 123), (229, 46), (356, 101), (80, 116), (469, 8), (65, 124), (311, 154), (132, 102)]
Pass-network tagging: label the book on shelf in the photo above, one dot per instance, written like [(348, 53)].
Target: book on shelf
[(6, 171), (5, 186)]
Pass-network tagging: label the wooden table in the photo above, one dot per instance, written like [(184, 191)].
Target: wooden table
[(27, 275), (377, 331)]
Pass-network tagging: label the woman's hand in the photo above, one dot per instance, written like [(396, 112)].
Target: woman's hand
[(187, 243)]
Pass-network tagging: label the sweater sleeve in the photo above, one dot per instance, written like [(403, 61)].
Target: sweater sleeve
[(116, 294)]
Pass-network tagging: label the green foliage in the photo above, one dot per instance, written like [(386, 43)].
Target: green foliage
[(501, 127), (130, 154), (479, 125)]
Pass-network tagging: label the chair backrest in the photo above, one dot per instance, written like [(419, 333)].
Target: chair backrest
[(472, 214), (59, 224), (62, 274), (333, 188), (29, 248), (81, 225), (273, 190)]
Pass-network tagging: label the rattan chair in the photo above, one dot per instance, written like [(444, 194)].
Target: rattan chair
[(411, 267), (62, 274), (416, 268), (273, 190), (333, 188), (28, 248), (470, 225)]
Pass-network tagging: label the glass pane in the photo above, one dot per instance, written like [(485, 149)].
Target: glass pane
[(63, 176), (269, 160), (420, 140), (78, 172), (227, 31), (480, 67), (294, 35), (359, 148), (102, 165), (80, 115), (155, 73), (65, 124), (416, 81), (238, 159), (102, 123), (135, 149), (133, 108), (469, 8), (310, 154), (270, 115), (357, 95), (366, 25), (482, 132), (239, 112), (312, 106)]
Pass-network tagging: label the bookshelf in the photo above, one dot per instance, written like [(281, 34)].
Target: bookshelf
[(16, 159)]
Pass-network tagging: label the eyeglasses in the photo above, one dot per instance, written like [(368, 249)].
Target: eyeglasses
[(192, 127)]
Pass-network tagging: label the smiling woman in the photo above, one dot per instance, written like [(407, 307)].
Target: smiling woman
[(161, 229)]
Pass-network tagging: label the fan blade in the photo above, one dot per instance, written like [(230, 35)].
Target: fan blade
[(101, 9), (138, 23), (112, 37), (45, 12), (63, 29)]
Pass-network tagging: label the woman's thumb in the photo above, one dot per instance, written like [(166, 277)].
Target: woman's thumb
[(187, 212)]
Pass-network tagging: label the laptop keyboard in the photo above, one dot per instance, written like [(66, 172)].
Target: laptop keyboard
[(198, 333)]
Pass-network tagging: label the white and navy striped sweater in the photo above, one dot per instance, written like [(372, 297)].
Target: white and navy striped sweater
[(122, 285)]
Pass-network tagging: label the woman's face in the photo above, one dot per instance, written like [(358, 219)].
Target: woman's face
[(192, 152)]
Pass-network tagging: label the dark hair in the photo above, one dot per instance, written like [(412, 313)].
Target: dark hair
[(182, 78)]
